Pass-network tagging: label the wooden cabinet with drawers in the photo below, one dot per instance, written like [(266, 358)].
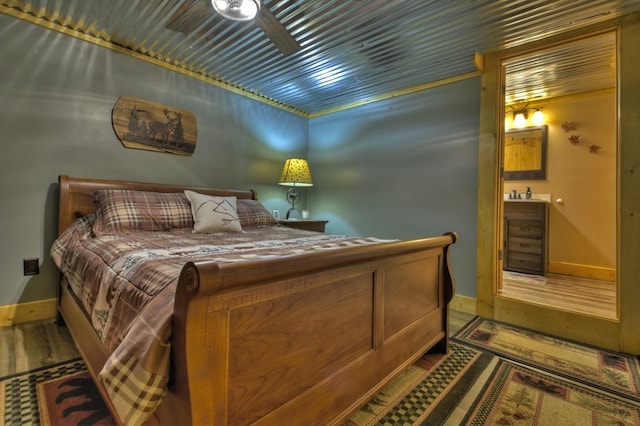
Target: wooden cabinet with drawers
[(525, 236)]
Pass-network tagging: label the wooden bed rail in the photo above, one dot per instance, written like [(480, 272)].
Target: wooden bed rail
[(209, 276)]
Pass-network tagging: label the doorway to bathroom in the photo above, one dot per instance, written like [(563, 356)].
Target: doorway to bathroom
[(560, 117), (616, 334)]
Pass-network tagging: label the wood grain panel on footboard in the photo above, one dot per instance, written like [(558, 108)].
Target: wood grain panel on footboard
[(289, 344), (411, 291)]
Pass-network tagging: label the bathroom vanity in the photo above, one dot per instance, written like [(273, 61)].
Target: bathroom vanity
[(526, 236)]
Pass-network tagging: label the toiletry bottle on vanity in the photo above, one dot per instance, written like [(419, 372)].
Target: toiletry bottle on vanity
[(528, 194)]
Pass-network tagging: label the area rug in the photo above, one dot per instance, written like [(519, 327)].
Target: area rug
[(58, 395), (612, 371), (426, 390), (517, 395), (491, 390), (524, 278), (72, 400)]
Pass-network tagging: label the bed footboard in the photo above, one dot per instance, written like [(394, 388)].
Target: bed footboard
[(287, 340)]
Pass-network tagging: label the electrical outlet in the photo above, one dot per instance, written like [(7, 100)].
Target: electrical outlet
[(31, 266)]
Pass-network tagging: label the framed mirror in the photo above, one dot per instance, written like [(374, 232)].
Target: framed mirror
[(525, 153)]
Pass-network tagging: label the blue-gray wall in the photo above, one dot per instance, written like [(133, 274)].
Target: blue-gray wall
[(406, 167), (401, 168), (56, 98)]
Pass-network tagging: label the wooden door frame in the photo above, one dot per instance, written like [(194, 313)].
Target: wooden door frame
[(621, 334)]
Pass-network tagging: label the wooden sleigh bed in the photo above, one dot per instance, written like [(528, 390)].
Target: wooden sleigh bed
[(238, 355)]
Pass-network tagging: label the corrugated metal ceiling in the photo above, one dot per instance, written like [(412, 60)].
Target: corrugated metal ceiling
[(581, 66), (351, 51)]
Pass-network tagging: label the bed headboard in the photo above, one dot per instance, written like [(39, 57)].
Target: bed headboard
[(76, 194)]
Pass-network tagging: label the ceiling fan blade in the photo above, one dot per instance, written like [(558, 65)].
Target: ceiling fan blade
[(190, 16), (274, 29)]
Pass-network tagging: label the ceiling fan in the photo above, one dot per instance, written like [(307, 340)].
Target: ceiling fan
[(191, 16)]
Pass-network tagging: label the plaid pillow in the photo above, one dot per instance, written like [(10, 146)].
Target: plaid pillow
[(124, 211), (253, 213)]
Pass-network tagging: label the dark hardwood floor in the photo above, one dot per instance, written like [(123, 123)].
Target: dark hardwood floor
[(34, 344)]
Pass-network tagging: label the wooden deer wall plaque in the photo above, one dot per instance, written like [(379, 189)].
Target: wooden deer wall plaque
[(147, 125)]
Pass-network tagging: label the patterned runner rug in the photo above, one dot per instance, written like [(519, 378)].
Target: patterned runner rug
[(613, 372), (427, 391), (513, 394), (491, 390)]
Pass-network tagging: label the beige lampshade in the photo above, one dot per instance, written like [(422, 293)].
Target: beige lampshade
[(296, 173)]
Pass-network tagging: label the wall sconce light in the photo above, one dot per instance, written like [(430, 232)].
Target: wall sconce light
[(520, 117), (538, 116), (237, 10), (295, 173)]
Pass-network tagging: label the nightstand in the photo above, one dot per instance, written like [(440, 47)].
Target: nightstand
[(306, 224)]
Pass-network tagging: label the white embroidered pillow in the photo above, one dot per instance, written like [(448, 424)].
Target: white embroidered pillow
[(213, 214)]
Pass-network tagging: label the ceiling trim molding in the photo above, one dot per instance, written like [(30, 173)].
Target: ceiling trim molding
[(407, 91)]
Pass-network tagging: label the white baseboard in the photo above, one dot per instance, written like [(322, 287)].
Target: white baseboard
[(27, 312), (463, 304)]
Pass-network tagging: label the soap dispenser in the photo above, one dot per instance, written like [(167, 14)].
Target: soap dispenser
[(528, 194)]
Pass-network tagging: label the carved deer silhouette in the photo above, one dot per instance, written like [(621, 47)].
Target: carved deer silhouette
[(164, 130)]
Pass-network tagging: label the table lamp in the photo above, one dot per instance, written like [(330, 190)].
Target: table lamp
[(295, 173)]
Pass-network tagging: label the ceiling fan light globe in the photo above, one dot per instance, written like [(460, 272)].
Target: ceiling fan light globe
[(237, 10)]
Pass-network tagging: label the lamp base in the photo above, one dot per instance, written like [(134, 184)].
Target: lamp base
[(292, 196), (293, 213)]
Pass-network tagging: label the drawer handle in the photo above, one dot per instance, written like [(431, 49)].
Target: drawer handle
[(522, 228), (524, 245), (524, 262)]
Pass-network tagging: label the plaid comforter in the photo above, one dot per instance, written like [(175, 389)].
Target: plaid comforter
[(126, 284)]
